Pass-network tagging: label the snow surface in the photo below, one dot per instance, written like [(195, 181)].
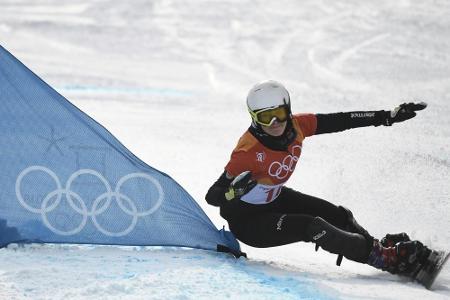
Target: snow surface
[(169, 79)]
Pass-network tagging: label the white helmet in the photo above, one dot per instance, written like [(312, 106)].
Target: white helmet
[(267, 94)]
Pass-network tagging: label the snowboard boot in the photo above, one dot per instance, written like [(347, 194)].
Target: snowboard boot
[(405, 258), (408, 258), (384, 258)]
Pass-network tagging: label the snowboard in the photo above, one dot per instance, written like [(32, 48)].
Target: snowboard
[(432, 267)]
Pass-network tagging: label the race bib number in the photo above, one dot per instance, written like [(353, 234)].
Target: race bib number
[(262, 194)]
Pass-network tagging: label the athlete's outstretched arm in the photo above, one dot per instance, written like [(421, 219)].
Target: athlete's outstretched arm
[(335, 122)]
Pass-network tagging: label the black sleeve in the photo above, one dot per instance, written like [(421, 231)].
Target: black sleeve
[(335, 122), (216, 193)]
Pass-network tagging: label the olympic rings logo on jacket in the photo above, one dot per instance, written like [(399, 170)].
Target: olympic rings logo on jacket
[(282, 170)]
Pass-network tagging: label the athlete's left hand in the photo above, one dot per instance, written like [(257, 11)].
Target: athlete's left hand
[(402, 113)]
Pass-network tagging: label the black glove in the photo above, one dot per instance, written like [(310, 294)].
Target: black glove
[(240, 186), (401, 113)]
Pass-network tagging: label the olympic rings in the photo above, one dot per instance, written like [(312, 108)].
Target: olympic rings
[(281, 170), (47, 206), (52, 228)]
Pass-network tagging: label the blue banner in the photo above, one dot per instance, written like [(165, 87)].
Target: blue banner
[(65, 179)]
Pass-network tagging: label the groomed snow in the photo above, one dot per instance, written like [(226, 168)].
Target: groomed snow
[(169, 79)]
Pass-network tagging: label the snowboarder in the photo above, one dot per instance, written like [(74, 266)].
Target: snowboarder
[(262, 212)]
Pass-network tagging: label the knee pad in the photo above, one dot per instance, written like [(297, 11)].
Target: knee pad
[(353, 246)]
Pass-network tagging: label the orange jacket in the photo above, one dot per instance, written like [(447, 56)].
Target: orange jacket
[(271, 169)]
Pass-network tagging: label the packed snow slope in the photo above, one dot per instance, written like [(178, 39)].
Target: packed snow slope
[(169, 79)]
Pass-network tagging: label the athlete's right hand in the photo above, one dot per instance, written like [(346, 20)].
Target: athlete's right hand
[(241, 185)]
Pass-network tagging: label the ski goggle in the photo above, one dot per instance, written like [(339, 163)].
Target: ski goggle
[(267, 116)]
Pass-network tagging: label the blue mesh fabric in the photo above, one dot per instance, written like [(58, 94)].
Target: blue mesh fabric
[(65, 179)]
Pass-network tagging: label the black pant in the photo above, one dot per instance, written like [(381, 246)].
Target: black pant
[(281, 222)]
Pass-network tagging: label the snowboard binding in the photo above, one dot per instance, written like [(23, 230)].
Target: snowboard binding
[(397, 254)]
